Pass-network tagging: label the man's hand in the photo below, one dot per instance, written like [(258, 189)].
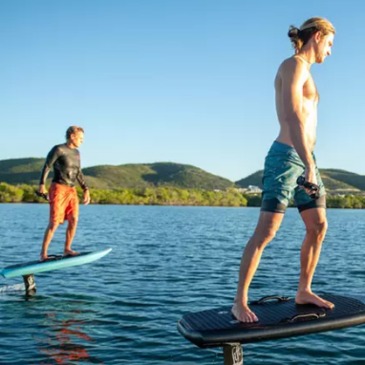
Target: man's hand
[(310, 176), (42, 189), (42, 192), (310, 188), (86, 196)]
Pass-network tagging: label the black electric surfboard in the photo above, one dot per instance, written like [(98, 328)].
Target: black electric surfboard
[(279, 317)]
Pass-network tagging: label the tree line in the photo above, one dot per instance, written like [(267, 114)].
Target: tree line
[(164, 195)]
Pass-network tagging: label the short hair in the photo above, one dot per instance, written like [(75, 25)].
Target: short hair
[(73, 129), (300, 36)]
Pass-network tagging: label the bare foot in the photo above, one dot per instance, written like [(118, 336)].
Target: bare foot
[(307, 297), (43, 257), (70, 253), (243, 313)]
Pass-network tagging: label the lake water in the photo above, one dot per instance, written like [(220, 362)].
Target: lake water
[(166, 261)]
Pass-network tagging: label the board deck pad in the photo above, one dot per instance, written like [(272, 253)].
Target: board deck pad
[(277, 319), (59, 262)]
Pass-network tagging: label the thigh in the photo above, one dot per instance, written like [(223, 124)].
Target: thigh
[(268, 223), (279, 180), (314, 217), (58, 203), (72, 210)]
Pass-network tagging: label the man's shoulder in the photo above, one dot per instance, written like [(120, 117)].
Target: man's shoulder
[(60, 146), (58, 149), (291, 66), (290, 62)]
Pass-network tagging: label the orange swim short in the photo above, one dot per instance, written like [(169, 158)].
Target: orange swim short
[(64, 203)]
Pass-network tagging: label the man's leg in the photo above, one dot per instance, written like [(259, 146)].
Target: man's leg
[(70, 234), (265, 231), (56, 215), (72, 214), (316, 226), (48, 235)]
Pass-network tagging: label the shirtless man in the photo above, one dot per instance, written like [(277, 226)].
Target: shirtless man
[(64, 203), (291, 156)]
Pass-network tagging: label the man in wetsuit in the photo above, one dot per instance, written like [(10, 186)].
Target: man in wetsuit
[(291, 156), (64, 203)]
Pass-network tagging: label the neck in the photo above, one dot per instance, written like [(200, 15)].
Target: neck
[(305, 60), (70, 145), (307, 54)]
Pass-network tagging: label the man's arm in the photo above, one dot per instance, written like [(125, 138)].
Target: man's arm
[(294, 75), (81, 179), (50, 160)]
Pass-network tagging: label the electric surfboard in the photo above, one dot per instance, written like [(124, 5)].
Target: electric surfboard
[(28, 269), (58, 262), (279, 317)]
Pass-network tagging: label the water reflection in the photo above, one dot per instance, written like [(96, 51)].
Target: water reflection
[(65, 337)]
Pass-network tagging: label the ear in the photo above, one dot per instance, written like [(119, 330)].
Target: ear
[(317, 36)]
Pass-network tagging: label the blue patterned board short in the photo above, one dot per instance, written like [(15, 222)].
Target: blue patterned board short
[(282, 168)]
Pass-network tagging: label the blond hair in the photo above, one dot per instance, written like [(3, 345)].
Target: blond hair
[(300, 36)]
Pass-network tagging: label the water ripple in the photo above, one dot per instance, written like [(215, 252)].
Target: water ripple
[(166, 261)]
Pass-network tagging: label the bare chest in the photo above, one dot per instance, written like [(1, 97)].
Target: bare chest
[(310, 91)]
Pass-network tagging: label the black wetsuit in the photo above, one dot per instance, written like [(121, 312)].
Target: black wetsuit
[(66, 166)]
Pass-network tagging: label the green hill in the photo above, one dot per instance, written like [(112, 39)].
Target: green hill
[(348, 178), (155, 174), (27, 171), (253, 179), (334, 180), (21, 170)]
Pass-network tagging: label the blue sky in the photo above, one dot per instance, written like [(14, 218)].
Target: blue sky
[(187, 81)]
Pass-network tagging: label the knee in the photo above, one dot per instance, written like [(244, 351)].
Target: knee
[(318, 228), (72, 221), (263, 238), (52, 226)]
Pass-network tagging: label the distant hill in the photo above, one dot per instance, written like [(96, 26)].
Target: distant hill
[(27, 171), (155, 174), (349, 178), (334, 180), (253, 179), (21, 170)]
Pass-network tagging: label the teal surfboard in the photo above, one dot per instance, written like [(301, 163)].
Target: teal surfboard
[(59, 262)]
